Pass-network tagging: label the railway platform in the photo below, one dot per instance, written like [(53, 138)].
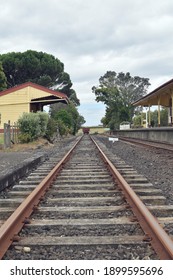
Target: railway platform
[(159, 134), (16, 164)]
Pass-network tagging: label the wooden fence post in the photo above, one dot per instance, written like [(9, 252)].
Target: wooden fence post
[(14, 133), (7, 135)]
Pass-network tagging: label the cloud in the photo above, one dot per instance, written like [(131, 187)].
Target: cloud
[(92, 37)]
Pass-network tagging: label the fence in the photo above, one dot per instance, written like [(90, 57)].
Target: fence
[(11, 133)]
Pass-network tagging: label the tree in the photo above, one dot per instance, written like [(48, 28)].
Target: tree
[(65, 117), (37, 67), (68, 118), (163, 117), (118, 92), (77, 119), (137, 119), (73, 98), (3, 79)]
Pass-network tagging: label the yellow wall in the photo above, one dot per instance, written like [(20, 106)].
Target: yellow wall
[(14, 104), (24, 95), (12, 113)]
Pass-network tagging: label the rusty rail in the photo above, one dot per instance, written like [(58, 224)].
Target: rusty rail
[(161, 242), (10, 229), (159, 239), (147, 143)]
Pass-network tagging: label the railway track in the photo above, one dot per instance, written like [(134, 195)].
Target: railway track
[(90, 212), (147, 143)]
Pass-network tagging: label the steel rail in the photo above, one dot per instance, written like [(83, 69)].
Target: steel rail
[(160, 240), (146, 143), (10, 229)]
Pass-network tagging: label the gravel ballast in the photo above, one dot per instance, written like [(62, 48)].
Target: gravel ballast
[(155, 165)]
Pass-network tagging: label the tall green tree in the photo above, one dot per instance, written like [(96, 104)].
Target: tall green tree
[(117, 91), (68, 118), (3, 79), (163, 117), (37, 67), (73, 97)]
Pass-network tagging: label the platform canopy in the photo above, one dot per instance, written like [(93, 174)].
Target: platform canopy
[(160, 96)]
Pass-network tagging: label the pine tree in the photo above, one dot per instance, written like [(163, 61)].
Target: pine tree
[(3, 79)]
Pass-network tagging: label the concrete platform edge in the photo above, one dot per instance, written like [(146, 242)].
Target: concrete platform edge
[(13, 175)]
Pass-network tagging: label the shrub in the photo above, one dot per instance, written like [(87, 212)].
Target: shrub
[(44, 118), (65, 117), (63, 129), (24, 137), (29, 124), (51, 129)]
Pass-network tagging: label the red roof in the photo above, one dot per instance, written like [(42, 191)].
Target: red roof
[(29, 84)]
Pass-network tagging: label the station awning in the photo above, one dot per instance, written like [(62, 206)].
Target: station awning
[(161, 95)]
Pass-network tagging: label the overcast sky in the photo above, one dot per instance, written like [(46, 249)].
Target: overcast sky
[(92, 37)]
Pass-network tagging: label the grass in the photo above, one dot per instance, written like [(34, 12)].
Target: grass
[(30, 146), (1, 138), (25, 147)]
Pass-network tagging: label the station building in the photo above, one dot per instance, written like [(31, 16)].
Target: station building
[(161, 96), (27, 97)]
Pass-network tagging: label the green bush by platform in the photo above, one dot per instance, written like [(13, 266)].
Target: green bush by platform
[(32, 126)]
